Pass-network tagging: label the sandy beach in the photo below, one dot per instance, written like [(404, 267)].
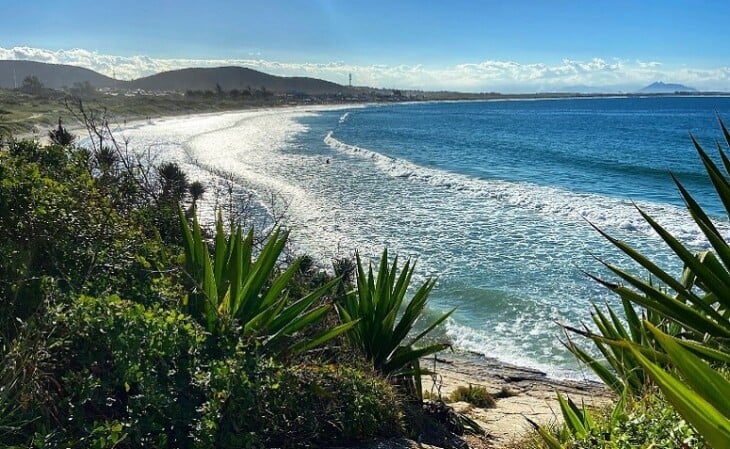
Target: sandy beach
[(535, 394)]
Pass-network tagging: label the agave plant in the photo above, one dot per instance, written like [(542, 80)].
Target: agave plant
[(690, 365), (624, 372), (579, 423), (382, 329), (231, 288)]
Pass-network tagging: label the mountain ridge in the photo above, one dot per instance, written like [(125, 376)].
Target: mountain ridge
[(59, 76), (658, 87), (54, 76)]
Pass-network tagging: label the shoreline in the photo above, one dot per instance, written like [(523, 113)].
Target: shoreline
[(252, 114), (138, 119), (530, 393), (535, 392)]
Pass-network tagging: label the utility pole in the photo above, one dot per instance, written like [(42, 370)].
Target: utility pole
[(350, 79)]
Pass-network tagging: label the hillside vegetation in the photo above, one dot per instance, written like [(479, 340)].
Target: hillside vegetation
[(124, 324)]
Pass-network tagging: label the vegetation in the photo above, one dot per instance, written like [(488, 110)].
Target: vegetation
[(124, 323), (679, 344), (475, 395), (644, 422), (232, 290), (379, 332), (30, 112)]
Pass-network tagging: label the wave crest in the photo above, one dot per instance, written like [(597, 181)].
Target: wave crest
[(600, 210)]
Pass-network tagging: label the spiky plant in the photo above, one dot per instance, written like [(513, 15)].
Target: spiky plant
[(60, 135), (234, 290), (689, 367), (196, 190), (173, 181), (384, 321)]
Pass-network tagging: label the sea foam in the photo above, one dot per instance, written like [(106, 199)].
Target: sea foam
[(600, 210)]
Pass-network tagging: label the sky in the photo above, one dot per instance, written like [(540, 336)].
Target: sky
[(477, 46)]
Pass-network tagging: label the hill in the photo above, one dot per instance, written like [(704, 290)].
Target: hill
[(58, 76), (229, 78), (55, 76), (659, 87)]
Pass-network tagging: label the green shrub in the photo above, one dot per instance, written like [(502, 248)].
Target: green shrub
[(475, 395), (257, 402), (646, 422), (382, 330), (232, 289), (121, 364), (63, 228)]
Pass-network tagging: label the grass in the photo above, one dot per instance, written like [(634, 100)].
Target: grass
[(475, 395), (23, 114)]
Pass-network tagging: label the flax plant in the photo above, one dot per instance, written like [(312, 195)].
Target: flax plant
[(384, 321), (235, 290), (685, 348)]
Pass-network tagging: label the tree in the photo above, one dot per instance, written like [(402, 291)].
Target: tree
[(60, 135), (31, 85), (196, 190), (173, 180)]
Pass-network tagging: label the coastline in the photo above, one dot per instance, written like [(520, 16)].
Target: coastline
[(535, 391), (532, 393), (462, 356)]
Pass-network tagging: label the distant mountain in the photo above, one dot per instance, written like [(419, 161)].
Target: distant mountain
[(55, 76), (665, 88), (229, 78), (58, 76)]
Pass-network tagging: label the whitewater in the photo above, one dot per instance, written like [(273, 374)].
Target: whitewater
[(496, 200)]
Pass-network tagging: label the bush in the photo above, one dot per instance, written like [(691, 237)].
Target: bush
[(61, 224), (645, 422), (259, 403), (475, 395), (121, 364)]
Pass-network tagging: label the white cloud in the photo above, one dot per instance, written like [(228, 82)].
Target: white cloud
[(488, 75)]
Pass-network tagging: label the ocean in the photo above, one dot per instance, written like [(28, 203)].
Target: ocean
[(495, 199)]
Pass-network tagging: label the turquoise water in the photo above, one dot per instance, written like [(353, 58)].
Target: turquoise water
[(494, 198)]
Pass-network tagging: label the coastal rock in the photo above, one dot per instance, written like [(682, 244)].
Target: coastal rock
[(531, 393)]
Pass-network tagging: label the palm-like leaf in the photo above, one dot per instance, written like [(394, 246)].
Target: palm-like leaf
[(689, 337), (232, 286), (701, 396), (384, 324)]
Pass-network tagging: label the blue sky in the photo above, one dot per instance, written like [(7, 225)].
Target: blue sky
[(466, 45)]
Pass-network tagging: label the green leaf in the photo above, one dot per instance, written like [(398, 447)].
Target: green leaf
[(709, 422), (705, 381), (548, 438), (572, 420)]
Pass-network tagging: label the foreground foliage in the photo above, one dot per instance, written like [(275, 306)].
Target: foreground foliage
[(682, 344), (232, 289), (645, 422), (121, 327), (381, 329)]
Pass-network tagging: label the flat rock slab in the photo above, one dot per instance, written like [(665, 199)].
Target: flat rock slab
[(533, 393)]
